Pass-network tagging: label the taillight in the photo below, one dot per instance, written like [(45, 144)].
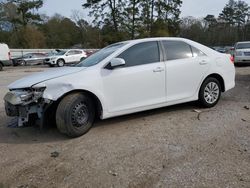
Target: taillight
[(9, 55), (232, 58)]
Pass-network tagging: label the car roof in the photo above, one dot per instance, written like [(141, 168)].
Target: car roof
[(155, 38), (243, 42)]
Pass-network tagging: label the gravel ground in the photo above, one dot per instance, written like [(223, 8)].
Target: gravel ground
[(178, 146)]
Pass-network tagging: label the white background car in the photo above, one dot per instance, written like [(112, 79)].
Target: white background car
[(242, 52), (4, 55), (120, 79), (66, 57)]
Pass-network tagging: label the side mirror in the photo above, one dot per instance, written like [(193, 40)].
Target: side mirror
[(116, 62)]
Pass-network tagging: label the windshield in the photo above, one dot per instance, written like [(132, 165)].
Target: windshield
[(27, 55), (60, 53), (100, 55), (243, 45)]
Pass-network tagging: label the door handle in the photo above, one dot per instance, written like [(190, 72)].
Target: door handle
[(158, 69), (203, 62)]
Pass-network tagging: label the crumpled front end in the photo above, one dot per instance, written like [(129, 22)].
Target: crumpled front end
[(25, 103)]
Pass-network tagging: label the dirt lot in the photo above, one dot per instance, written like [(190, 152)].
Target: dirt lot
[(171, 147)]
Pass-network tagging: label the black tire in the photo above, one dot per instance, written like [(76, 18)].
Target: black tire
[(82, 59), (75, 115), (215, 92), (1, 66), (60, 62), (22, 63)]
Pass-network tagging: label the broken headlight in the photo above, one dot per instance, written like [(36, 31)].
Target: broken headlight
[(24, 96)]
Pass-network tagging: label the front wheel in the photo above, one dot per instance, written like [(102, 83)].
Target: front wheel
[(75, 114), (22, 63), (210, 92), (60, 63)]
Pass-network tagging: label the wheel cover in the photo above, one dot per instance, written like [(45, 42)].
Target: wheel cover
[(60, 63), (211, 92), (80, 115)]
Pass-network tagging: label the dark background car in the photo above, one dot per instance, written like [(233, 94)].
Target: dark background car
[(29, 59)]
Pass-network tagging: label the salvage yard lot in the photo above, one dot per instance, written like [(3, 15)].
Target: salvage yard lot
[(176, 146)]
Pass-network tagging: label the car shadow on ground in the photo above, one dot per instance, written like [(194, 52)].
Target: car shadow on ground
[(50, 134)]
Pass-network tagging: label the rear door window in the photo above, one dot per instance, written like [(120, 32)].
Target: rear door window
[(177, 50)]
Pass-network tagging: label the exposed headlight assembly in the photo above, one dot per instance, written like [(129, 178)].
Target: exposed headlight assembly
[(24, 96)]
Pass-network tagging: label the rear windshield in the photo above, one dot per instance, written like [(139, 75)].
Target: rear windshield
[(243, 45)]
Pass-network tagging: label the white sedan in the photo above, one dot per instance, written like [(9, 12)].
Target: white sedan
[(123, 78)]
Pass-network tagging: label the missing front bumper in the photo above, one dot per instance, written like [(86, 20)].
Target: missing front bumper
[(24, 113)]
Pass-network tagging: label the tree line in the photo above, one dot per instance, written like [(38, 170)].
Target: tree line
[(21, 25)]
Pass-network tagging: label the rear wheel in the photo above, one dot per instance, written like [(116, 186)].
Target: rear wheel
[(75, 114), (210, 92), (1, 66)]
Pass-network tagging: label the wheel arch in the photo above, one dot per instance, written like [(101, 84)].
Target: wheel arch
[(219, 78), (96, 100), (60, 59)]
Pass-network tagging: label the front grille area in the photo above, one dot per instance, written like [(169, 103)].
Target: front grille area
[(247, 53)]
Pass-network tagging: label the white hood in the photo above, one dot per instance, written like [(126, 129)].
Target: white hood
[(34, 79)]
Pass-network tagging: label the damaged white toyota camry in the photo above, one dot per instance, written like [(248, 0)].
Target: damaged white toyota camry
[(120, 79)]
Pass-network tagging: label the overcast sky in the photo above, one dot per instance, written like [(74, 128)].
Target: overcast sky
[(196, 8)]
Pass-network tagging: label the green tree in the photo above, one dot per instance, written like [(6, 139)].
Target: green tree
[(105, 9), (131, 16), (169, 11), (210, 21), (25, 10), (228, 13), (60, 32), (27, 37)]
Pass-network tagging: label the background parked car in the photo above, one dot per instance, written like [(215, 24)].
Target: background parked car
[(242, 52), (66, 57), (29, 59), (90, 52), (4, 56), (219, 49)]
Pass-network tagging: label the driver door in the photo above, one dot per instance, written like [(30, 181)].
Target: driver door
[(139, 83)]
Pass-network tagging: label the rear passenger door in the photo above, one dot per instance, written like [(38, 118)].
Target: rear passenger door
[(78, 55), (185, 68), (69, 56)]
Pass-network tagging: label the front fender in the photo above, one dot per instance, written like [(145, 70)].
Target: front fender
[(55, 90)]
